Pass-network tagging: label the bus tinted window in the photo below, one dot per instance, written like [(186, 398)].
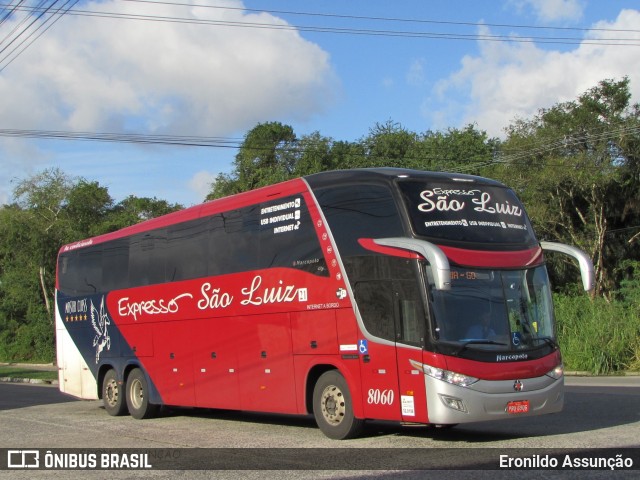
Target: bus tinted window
[(359, 211), (456, 212), (147, 258), (272, 234), (388, 297), (115, 264), (80, 271), (288, 237), (375, 302), (186, 250), (233, 242)]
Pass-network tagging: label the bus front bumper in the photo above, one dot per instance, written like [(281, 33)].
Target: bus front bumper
[(492, 400)]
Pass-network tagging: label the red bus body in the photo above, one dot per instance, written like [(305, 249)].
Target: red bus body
[(252, 302)]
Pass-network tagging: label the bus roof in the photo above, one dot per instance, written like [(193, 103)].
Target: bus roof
[(211, 207), (387, 174), (382, 175)]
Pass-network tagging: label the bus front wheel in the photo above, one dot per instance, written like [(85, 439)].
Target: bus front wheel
[(138, 396), (113, 394), (333, 407)]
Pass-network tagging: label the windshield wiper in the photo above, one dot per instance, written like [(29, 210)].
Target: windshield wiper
[(550, 341), (478, 342)]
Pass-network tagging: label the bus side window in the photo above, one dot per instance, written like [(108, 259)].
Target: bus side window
[(115, 265), (90, 268), (375, 302), (187, 250), (146, 258), (359, 211), (411, 314), (234, 241), (299, 248)]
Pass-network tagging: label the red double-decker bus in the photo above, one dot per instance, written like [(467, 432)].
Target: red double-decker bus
[(384, 294)]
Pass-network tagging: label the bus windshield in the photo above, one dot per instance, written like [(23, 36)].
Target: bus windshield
[(495, 310)]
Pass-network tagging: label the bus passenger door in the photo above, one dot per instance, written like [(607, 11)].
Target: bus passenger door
[(379, 373), (410, 332), (393, 388)]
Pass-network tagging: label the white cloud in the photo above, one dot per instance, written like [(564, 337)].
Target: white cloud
[(14, 169), (202, 182), (90, 73), (101, 74), (509, 80), (416, 72), (553, 10)]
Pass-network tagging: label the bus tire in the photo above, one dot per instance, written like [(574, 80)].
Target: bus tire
[(113, 394), (333, 407), (138, 396)]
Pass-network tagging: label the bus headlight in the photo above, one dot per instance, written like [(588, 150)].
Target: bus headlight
[(453, 378), (556, 373)]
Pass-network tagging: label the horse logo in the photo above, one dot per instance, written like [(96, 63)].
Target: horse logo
[(100, 320)]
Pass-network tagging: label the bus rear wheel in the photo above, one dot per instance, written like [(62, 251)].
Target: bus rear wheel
[(333, 407), (138, 396), (113, 394)]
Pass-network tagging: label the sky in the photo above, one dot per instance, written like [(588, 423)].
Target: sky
[(217, 68)]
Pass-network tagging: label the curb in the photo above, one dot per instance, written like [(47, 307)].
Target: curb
[(43, 366), (34, 366), (35, 381)]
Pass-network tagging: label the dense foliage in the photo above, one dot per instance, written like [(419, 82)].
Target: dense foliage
[(575, 165), (49, 210)]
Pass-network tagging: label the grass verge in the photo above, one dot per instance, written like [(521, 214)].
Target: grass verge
[(26, 372)]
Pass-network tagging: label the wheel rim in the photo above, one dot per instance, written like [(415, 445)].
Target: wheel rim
[(333, 405), (112, 393), (136, 394)]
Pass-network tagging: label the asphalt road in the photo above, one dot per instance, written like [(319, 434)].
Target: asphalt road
[(599, 413)]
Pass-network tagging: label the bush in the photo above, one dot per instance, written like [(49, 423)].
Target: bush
[(33, 340), (630, 297), (597, 336)]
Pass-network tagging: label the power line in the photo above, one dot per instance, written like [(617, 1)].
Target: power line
[(17, 30), (363, 31), (9, 13), (54, 15), (176, 140), (5, 8), (384, 19), (45, 9), (515, 158), (518, 157)]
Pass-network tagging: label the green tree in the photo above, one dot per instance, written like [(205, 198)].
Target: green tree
[(50, 209), (576, 165), (44, 195), (388, 145), (345, 155), (30, 234), (86, 205), (465, 150), (134, 210), (314, 154), (272, 153), (41, 201), (459, 150), (267, 155)]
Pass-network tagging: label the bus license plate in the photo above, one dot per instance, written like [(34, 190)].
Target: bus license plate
[(515, 408)]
